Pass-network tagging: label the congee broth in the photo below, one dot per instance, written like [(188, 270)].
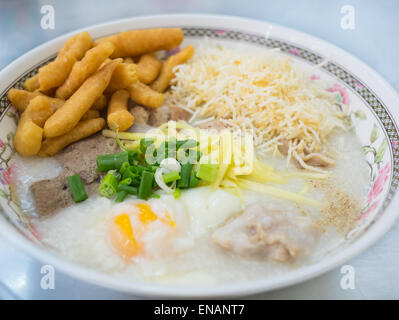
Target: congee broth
[(186, 165)]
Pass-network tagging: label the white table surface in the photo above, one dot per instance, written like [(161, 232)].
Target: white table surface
[(374, 40)]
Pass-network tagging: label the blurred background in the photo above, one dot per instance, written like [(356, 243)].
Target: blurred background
[(374, 40)]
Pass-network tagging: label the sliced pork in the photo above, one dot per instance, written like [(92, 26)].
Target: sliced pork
[(268, 234)]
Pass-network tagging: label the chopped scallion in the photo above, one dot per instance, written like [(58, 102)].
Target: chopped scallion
[(193, 180), (126, 181), (185, 173), (145, 187), (155, 196), (127, 189), (177, 193), (134, 157), (77, 188), (123, 168), (145, 143), (171, 176), (111, 161), (186, 144), (120, 196), (207, 172), (109, 184)]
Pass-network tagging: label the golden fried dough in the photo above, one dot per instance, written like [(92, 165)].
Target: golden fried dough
[(21, 98), (100, 103), (29, 133), (77, 45), (123, 76), (118, 118), (32, 83), (84, 68), (128, 60), (42, 107), (149, 67), (91, 114), (137, 42), (167, 74), (144, 95), (68, 116), (54, 74), (28, 137), (86, 128)]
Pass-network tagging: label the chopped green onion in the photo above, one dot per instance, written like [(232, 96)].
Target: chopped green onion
[(171, 176), (166, 150), (145, 143), (120, 196), (199, 155), (127, 189), (126, 181), (134, 173), (177, 193), (134, 157), (207, 172), (151, 168), (109, 184), (111, 161), (128, 173), (185, 173), (192, 156), (155, 196), (188, 156), (145, 187), (77, 188), (186, 144), (123, 168), (193, 180)]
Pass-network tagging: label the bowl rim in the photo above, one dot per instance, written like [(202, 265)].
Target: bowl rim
[(146, 289)]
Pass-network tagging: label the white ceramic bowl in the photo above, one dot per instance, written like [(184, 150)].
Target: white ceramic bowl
[(372, 102)]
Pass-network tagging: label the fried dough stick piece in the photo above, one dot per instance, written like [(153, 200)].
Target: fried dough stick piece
[(118, 118), (144, 95), (128, 60), (86, 128), (54, 74), (167, 74), (28, 137), (68, 116), (137, 42), (42, 107), (100, 103), (77, 45), (149, 67), (124, 75), (32, 84), (29, 133), (20, 98), (84, 68), (91, 114)]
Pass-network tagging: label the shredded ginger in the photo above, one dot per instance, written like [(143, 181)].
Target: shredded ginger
[(260, 92)]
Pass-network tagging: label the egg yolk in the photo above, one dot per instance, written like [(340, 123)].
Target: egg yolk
[(122, 237), (146, 214), (168, 220)]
